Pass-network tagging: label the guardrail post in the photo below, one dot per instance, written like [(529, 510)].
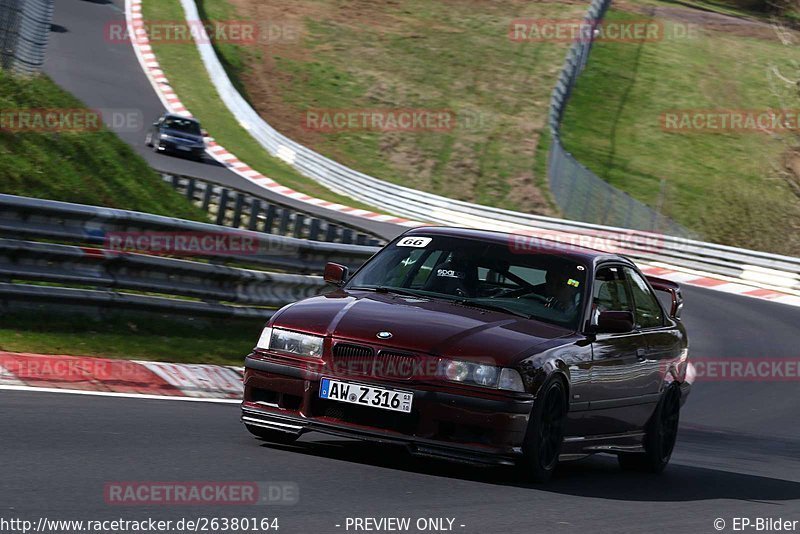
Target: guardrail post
[(207, 196), (222, 207), (176, 181), (190, 186), (330, 233), (313, 230), (255, 208), (347, 236), (283, 227), (237, 210), (299, 224), (270, 219)]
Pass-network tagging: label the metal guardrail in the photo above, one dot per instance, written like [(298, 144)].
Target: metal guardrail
[(237, 209), (24, 30), (221, 283), (32, 218), (222, 290), (213, 283)]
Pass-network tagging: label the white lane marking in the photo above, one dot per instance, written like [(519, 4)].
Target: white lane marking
[(117, 394)]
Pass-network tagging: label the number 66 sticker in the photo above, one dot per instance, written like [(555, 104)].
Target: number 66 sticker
[(418, 242)]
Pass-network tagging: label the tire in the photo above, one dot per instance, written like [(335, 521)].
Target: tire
[(659, 441), (545, 433), (275, 436)]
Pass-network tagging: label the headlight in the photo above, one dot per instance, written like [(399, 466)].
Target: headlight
[(291, 342), (481, 375)]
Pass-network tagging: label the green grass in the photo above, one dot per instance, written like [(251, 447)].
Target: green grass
[(728, 187), (224, 342), (93, 167), (419, 54), (184, 69)]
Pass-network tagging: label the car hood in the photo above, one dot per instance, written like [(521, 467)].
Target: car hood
[(431, 326), (182, 135)]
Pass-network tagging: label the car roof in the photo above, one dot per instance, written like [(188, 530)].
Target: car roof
[(526, 243)]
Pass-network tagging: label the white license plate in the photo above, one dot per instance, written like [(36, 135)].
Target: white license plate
[(184, 148), (386, 399)]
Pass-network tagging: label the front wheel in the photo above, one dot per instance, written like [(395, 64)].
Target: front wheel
[(545, 433), (275, 436), (659, 441)]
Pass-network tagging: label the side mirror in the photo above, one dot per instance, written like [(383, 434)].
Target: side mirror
[(335, 274), (204, 132), (614, 322)]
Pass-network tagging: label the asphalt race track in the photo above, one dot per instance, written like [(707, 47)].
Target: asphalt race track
[(738, 455), (106, 75)]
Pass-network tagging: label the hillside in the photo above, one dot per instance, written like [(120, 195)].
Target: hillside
[(79, 163)]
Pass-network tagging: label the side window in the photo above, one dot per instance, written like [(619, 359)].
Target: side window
[(648, 311), (611, 292)]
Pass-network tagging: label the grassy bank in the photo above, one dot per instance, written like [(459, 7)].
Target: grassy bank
[(184, 68), (87, 167), (224, 342), (731, 187), (413, 55)]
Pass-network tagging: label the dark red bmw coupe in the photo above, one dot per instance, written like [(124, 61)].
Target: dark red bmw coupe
[(460, 344)]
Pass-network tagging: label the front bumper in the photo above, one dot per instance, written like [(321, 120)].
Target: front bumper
[(459, 427), (180, 148)]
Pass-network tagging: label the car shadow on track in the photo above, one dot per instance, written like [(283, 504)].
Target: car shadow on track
[(597, 477)]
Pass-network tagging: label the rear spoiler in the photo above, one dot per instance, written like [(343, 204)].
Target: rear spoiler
[(674, 290)]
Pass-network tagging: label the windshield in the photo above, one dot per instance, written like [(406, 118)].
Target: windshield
[(486, 275), (182, 125)]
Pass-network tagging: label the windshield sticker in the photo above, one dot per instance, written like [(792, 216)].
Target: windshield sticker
[(418, 242), (572, 282), (448, 273)]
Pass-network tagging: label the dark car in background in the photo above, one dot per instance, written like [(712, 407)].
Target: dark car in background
[(457, 344), (177, 134)]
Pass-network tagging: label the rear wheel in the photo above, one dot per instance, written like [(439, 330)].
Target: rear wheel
[(545, 433), (662, 433), (275, 436)]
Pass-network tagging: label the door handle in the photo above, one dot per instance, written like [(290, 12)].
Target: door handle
[(641, 354)]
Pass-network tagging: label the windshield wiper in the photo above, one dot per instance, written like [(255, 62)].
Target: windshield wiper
[(491, 307), (386, 289)]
